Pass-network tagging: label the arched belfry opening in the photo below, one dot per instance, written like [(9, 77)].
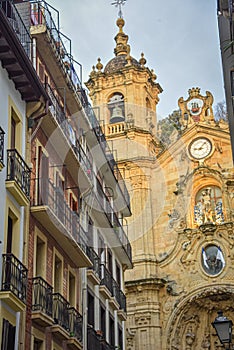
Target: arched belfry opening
[(116, 108)]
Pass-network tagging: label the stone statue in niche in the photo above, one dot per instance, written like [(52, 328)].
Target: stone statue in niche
[(208, 208)]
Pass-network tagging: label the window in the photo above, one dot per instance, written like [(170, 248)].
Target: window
[(73, 202), (40, 257), (72, 289), (112, 331), (37, 344), (116, 108), (103, 320), (90, 233), (120, 334), (101, 246), (13, 132), (212, 260), (118, 274), (90, 302), (43, 175), (58, 270), (109, 261), (8, 336), (9, 235)]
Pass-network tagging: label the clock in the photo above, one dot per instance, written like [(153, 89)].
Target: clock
[(200, 148)]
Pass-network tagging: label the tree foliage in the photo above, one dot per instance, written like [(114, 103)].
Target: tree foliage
[(220, 111), (169, 126)]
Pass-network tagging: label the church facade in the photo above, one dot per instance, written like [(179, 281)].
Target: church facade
[(181, 228)]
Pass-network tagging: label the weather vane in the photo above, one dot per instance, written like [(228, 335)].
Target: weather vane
[(119, 3)]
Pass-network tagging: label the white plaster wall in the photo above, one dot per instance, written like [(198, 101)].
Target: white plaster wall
[(7, 89)]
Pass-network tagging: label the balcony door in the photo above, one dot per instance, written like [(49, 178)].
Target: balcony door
[(43, 175), (8, 336)]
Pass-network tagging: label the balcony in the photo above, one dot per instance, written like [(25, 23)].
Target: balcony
[(2, 133), (18, 177), (60, 312), (14, 282), (106, 162), (42, 302), (119, 296), (106, 346), (93, 340), (56, 49), (15, 49), (106, 287), (64, 137), (107, 219), (50, 208), (94, 272), (76, 330)]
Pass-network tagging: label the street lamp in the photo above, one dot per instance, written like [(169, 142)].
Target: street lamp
[(223, 328)]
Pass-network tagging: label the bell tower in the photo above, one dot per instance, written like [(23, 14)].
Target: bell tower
[(126, 93)]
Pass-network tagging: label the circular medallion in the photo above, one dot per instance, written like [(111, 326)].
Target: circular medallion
[(200, 148), (212, 260), (195, 106)]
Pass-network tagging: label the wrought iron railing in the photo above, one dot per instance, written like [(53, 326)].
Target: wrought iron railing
[(96, 261), (61, 311), (44, 14), (53, 197), (42, 296), (113, 219), (75, 324), (93, 340), (2, 133), (18, 171), (17, 24), (106, 346), (107, 279), (14, 276), (59, 115)]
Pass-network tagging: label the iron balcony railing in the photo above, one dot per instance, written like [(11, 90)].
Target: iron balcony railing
[(17, 24), (119, 295), (106, 346), (61, 311), (107, 279), (14, 276), (96, 261), (59, 115), (53, 197), (18, 171), (2, 133), (44, 14), (75, 324), (42, 296), (113, 219), (93, 340)]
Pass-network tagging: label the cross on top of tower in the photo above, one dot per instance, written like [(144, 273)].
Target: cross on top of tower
[(119, 3)]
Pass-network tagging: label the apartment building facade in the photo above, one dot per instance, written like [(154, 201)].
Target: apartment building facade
[(21, 90), (225, 10), (73, 242)]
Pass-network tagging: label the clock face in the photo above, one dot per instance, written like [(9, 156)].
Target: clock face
[(200, 148)]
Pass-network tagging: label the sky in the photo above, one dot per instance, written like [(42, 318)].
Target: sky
[(178, 37)]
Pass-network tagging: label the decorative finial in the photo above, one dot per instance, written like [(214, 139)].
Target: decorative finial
[(119, 3), (142, 60), (154, 76), (99, 65)]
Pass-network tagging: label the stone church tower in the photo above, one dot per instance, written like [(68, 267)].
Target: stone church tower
[(182, 202)]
